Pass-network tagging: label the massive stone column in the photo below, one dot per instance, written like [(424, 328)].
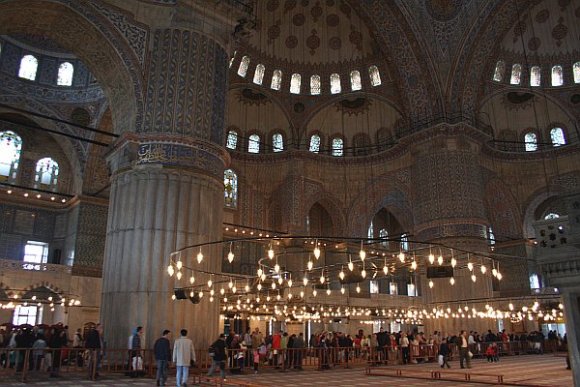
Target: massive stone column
[(449, 209), (167, 192)]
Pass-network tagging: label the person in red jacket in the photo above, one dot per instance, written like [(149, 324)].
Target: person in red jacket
[(276, 346)]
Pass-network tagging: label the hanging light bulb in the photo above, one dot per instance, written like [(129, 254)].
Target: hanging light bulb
[(268, 298), (280, 280), (499, 276), (200, 294), (357, 288), (260, 271), (230, 257), (470, 266), (273, 285), (305, 280), (314, 293), (431, 284), (230, 284), (452, 281), (440, 260), (310, 265), (170, 270), (322, 279), (211, 292), (473, 278), (263, 277), (328, 291), (350, 265), (363, 273), (178, 275), (483, 269), (431, 259), (511, 306), (414, 265), (362, 254), (341, 274), (290, 296), (494, 272), (271, 252), (209, 283), (199, 256), (191, 280), (290, 282), (222, 291), (179, 264), (386, 269), (342, 289), (453, 262), (191, 293), (316, 251), (276, 268), (259, 286), (402, 257), (234, 289)]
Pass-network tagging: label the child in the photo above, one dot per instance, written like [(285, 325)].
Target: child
[(491, 353), (256, 360)]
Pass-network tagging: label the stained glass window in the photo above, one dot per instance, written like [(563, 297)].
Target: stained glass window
[(47, 172), (244, 64), (490, 236), (355, 81), (28, 67), (65, 74), (404, 242), (337, 146), (375, 76), (383, 233), (371, 231), (535, 76), (557, 76), (277, 142), (276, 80), (259, 74), (576, 70), (516, 74), (10, 149), (230, 189), (295, 82), (557, 137), (314, 143), (551, 215), (499, 71), (335, 87), (531, 141), (254, 144), (315, 85), (232, 140)]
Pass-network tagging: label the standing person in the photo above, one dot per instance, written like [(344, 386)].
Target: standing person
[(183, 357), (464, 358), (162, 350), (38, 349), (93, 344), (218, 349), (444, 352), (298, 345), (249, 345), (404, 344), (78, 345), (135, 358), (57, 342)]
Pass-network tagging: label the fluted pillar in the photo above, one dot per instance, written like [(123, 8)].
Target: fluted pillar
[(167, 191)]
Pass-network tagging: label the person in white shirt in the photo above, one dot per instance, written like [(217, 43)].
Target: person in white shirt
[(183, 357), (464, 358)]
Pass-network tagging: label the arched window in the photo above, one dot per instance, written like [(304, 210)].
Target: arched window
[(230, 189), (535, 76), (276, 80), (314, 143), (315, 85), (28, 67), (233, 58), (65, 74), (375, 76), (551, 215), (490, 236), (259, 74), (404, 242), (10, 148), (335, 87), (295, 82), (499, 71), (361, 144), (557, 76), (383, 233), (516, 74), (531, 141), (576, 70), (254, 144), (371, 231), (557, 137), (337, 146), (47, 172), (277, 142), (232, 140), (244, 64), (355, 81)]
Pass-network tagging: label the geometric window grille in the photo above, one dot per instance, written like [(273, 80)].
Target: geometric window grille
[(230, 189), (276, 80), (259, 74), (557, 76), (557, 137), (244, 64), (254, 144), (516, 74), (375, 76), (535, 76), (46, 172), (314, 143), (337, 146), (277, 142), (576, 70), (383, 233), (490, 236), (28, 67), (355, 80), (295, 82), (404, 242), (315, 85), (499, 71), (232, 140), (531, 141), (10, 149), (65, 74), (335, 87)]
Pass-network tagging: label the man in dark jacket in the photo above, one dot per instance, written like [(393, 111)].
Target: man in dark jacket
[(218, 349), (162, 350), (93, 344)]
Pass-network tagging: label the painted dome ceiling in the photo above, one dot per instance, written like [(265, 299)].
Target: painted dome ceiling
[(311, 32)]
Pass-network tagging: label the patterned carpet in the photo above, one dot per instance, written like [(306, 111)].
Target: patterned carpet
[(536, 370)]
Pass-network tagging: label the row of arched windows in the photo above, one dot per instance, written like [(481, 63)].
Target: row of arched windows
[(557, 74), (47, 169), (296, 84), (29, 67), (557, 138)]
